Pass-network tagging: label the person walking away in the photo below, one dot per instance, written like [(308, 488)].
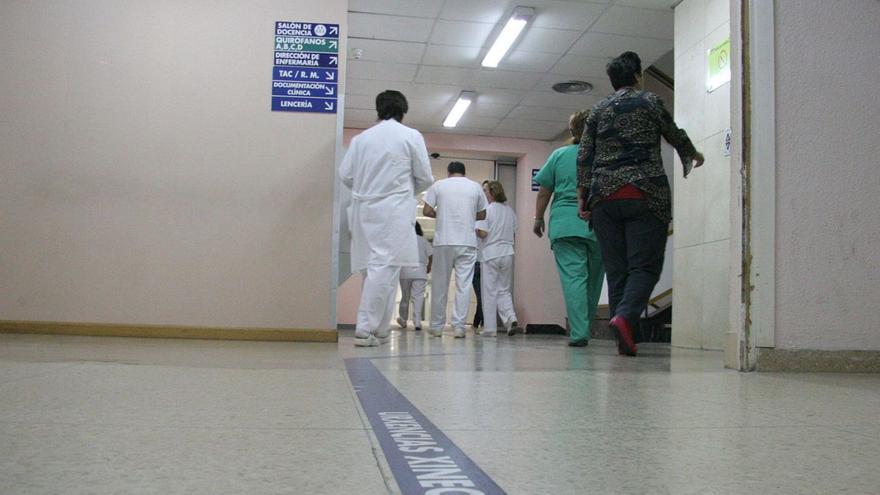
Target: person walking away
[(574, 244), (457, 203), (385, 167), (624, 192), (497, 232), (413, 281)]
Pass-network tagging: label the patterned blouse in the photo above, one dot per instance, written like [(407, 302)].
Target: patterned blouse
[(621, 145)]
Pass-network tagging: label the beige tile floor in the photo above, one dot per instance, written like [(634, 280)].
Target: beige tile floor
[(99, 416)]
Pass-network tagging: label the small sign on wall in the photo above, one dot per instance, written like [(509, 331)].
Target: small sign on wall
[(719, 66), (726, 142), (535, 185)]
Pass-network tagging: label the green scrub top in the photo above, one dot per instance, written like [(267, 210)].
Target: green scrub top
[(559, 175)]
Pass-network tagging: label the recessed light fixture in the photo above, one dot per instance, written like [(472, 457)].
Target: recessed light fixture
[(514, 27), (464, 101), (573, 87)]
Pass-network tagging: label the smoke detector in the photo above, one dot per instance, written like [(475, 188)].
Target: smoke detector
[(573, 87)]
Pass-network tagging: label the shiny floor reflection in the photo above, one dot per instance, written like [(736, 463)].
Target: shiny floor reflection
[(105, 415)]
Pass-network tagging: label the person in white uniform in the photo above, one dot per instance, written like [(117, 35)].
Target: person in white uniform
[(413, 280), (385, 167), (457, 203), (496, 233)]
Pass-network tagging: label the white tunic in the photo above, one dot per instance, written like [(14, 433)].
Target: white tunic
[(385, 167), (421, 271), (500, 226), (457, 201)]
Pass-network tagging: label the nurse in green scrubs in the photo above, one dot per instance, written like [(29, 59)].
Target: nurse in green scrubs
[(574, 245)]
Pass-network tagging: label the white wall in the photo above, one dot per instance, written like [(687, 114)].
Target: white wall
[(702, 201), (145, 179), (827, 225)]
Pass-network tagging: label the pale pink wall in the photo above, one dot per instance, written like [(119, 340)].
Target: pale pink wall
[(537, 293)]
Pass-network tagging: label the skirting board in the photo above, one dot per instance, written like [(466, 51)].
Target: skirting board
[(824, 361), (169, 331)]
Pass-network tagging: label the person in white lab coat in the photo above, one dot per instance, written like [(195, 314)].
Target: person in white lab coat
[(457, 203), (413, 281), (496, 261), (385, 167)]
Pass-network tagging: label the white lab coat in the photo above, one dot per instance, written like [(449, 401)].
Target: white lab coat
[(385, 167)]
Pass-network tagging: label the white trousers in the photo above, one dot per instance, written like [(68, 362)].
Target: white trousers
[(377, 300), (415, 288), (447, 259), (497, 276)]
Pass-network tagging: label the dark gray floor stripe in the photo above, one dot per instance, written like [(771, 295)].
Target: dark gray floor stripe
[(422, 459)]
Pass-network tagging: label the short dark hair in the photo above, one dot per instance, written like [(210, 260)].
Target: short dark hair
[(623, 70), (455, 168), (391, 104), (419, 229)]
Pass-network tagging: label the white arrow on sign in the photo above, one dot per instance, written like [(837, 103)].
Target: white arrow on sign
[(331, 76), (329, 91), (328, 105), (334, 30), (334, 60), (334, 44)]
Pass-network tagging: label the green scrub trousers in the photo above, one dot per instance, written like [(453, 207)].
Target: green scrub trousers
[(579, 262)]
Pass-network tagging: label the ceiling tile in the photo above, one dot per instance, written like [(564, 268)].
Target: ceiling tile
[(413, 8), (525, 125), (491, 11), (649, 4), (453, 56), (381, 71), (458, 33), (559, 100), (506, 79), (529, 61), (565, 15), (404, 52), (612, 45), (551, 114), (474, 78), (388, 27), (472, 121), (576, 65), (496, 96), (481, 108), (371, 88), (547, 40), (433, 92), (636, 22)]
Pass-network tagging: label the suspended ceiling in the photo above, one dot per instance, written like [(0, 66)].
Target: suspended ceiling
[(431, 50)]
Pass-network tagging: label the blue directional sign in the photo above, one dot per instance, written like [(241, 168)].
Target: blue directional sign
[(305, 59), (318, 105), (308, 29), (305, 72), (304, 89)]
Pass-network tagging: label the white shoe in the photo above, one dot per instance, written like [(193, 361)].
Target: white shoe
[(382, 337), (368, 341), (433, 332), (488, 333), (401, 322), (513, 328), (459, 333)]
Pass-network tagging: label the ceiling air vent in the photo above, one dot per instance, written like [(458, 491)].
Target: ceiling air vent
[(573, 87)]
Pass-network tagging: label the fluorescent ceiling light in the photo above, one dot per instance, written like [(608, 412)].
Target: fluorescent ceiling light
[(461, 106), (511, 31)]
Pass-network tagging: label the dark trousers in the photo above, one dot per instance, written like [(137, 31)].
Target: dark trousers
[(633, 242), (478, 314)]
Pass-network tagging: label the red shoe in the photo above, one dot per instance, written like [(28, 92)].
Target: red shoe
[(625, 343)]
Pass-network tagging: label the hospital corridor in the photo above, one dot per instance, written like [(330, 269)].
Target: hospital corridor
[(439, 247)]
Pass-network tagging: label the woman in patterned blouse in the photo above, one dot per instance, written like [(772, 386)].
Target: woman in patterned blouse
[(624, 192)]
